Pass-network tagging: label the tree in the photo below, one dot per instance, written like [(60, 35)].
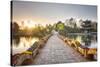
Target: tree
[(60, 25), (14, 27), (87, 26)]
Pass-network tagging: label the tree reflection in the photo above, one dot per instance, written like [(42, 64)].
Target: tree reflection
[(87, 40), (16, 40), (72, 36)]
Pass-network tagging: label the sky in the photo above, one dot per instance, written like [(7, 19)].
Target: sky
[(44, 13)]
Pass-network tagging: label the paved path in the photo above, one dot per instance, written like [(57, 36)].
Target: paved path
[(56, 51)]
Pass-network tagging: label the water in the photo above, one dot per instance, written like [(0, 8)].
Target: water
[(21, 44), (89, 41)]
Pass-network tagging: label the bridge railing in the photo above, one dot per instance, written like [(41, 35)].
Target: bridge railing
[(85, 51), (30, 53)]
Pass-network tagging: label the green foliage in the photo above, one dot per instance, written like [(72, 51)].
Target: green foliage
[(60, 26), (38, 31)]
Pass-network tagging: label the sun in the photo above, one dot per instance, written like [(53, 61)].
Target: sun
[(29, 23)]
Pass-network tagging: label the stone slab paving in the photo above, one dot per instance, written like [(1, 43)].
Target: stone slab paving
[(56, 51)]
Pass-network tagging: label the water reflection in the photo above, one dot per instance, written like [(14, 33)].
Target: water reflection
[(20, 44), (89, 41)]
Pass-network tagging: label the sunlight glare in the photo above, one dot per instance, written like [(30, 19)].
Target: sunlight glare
[(29, 23)]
